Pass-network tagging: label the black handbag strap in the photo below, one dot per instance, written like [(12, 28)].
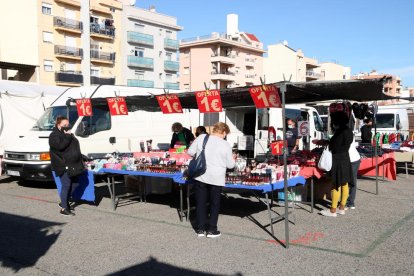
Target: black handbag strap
[(205, 141)]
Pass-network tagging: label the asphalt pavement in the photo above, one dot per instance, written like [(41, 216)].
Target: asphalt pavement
[(377, 238)]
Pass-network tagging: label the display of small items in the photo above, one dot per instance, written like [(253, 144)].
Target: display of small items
[(159, 165)]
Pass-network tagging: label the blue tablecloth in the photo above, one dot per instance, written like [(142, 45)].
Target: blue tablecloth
[(85, 190)]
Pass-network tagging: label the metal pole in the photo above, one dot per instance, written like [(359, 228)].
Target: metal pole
[(375, 148), (285, 180)]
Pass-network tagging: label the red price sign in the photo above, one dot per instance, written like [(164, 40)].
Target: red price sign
[(265, 96), (209, 101), (117, 106), (277, 147), (169, 104), (84, 107)]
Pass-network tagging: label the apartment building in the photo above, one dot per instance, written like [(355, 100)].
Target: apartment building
[(63, 42), (286, 63), (221, 60), (149, 49)]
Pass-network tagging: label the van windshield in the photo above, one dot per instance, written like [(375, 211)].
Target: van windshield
[(48, 119), (385, 120)]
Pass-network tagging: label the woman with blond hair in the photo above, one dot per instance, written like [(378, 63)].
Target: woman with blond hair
[(219, 158)]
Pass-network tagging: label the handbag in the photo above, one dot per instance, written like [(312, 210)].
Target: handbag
[(75, 169), (197, 165), (325, 162)]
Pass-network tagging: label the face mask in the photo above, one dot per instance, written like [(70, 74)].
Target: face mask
[(290, 126), (65, 128)]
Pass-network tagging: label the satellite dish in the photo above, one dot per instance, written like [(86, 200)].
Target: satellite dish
[(132, 2)]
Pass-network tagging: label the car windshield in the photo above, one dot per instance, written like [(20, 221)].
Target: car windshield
[(385, 120), (48, 119)]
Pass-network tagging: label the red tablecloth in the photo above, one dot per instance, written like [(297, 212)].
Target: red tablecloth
[(386, 166), (308, 172)]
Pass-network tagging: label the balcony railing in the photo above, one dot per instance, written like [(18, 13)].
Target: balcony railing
[(250, 76), (105, 30), (106, 81), (170, 65), (68, 51), (141, 83), (170, 44), (223, 73), (141, 62), (312, 74), (105, 56), (171, 85), (67, 23), (69, 76), (140, 38)]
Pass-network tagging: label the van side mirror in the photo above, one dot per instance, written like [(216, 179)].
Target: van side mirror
[(112, 140), (399, 126)]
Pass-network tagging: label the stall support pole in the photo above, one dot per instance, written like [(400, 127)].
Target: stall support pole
[(285, 180), (376, 149)]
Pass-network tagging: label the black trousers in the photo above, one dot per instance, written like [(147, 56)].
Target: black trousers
[(67, 189), (353, 183), (203, 193)]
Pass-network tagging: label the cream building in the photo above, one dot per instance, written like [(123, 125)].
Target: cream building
[(285, 63), (61, 42), (221, 60)]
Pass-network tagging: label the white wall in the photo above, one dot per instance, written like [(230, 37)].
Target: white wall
[(281, 60)]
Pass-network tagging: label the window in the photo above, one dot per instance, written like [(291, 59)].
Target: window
[(385, 120), (48, 37), (139, 52), (48, 119), (187, 70), (168, 55), (94, 19), (47, 8), (99, 121), (160, 31), (95, 72), (48, 65), (318, 122), (139, 75)]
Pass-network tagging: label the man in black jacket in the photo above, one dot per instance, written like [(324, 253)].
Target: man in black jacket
[(65, 155), (182, 135), (366, 132)]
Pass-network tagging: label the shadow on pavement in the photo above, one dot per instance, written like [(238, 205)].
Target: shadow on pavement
[(153, 267), (24, 240)]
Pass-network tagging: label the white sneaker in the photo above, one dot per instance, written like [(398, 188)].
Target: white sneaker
[(341, 212), (352, 207), (327, 213)]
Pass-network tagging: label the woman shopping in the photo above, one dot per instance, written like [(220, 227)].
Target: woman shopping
[(219, 158), (341, 172)]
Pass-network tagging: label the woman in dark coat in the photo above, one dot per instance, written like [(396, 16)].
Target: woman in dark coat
[(65, 155), (181, 135), (341, 172)]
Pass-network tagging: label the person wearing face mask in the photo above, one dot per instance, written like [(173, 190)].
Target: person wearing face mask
[(219, 157), (64, 153), (292, 136), (366, 132), (181, 135)]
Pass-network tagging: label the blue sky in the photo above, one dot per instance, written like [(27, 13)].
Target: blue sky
[(364, 34)]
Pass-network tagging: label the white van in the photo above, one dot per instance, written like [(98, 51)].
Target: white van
[(28, 156)]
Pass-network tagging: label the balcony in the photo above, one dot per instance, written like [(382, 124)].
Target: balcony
[(171, 85), (229, 59), (170, 65), (102, 57), (249, 76), (68, 52), (223, 76), (141, 62), (250, 62), (67, 25), (69, 78), (141, 83), (103, 81), (311, 75), (105, 32), (170, 44), (74, 3), (139, 38)]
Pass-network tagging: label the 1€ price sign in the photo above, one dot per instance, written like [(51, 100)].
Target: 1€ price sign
[(209, 101), (169, 104), (117, 106), (84, 107), (265, 96)]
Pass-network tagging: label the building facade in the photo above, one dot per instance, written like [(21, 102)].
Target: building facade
[(72, 42), (221, 60), (149, 49), (285, 63)]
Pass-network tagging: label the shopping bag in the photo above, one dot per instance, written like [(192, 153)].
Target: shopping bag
[(197, 165), (325, 162)]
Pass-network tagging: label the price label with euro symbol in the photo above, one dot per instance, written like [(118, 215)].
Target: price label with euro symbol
[(209, 101), (265, 96), (117, 106), (84, 107), (169, 104)]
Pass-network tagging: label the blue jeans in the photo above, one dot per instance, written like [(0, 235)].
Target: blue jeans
[(203, 192), (353, 183), (67, 189)]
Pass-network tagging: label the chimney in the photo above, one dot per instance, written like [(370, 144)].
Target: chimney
[(152, 8), (232, 24)]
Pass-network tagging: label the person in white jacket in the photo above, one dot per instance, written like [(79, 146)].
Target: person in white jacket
[(355, 162), (219, 158)]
